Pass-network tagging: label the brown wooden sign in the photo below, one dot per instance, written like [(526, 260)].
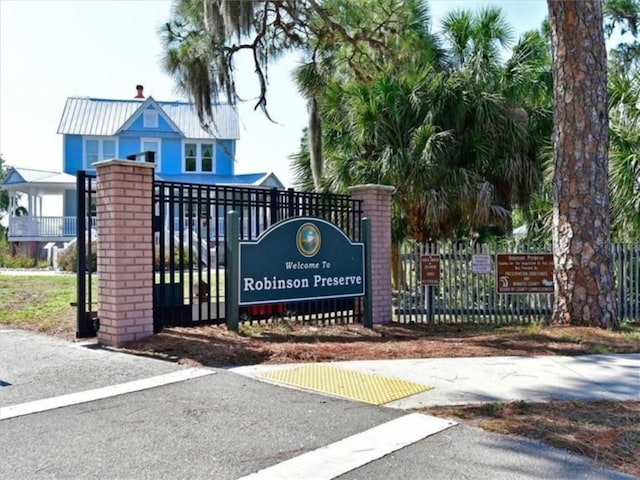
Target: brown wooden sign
[(430, 269), (524, 273)]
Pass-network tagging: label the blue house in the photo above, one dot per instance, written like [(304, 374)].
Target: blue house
[(96, 129)]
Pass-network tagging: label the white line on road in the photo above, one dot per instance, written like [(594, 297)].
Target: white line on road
[(352, 452), (101, 393)]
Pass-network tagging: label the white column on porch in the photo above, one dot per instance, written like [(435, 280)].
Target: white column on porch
[(32, 208), (13, 199)]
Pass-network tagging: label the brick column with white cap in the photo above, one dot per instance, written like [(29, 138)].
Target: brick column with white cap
[(125, 263), (376, 206)]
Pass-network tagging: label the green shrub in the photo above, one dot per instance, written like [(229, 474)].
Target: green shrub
[(20, 261), (8, 258), (68, 258), (189, 258)]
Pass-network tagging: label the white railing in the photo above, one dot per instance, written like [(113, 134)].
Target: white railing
[(57, 227), (186, 224)]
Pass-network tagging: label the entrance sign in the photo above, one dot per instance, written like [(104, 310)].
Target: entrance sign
[(301, 258), (480, 263), (429, 269), (524, 273)]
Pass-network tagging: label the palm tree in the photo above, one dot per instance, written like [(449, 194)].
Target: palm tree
[(405, 34), (457, 149), (624, 115), (624, 154), (499, 117)]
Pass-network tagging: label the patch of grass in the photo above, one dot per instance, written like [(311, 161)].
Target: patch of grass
[(280, 326), (631, 331), (608, 432), (39, 303)]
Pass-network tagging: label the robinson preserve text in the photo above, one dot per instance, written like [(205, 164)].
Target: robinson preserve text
[(274, 283)]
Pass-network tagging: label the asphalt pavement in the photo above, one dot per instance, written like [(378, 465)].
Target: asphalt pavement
[(71, 410)]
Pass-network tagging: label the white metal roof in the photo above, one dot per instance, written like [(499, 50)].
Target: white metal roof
[(20, 176), (104, 117)]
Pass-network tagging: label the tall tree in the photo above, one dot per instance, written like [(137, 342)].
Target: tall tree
[(583, 275), (450, 133), (204, 37), (624, 155), (624, 112)]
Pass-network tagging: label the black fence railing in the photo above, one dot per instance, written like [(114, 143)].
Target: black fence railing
[(86, 252), (190, 249)]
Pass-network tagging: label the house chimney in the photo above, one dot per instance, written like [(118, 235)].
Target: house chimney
[(139, 91)]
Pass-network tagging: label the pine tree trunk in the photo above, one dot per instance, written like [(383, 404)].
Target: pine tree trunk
[(584, 293)]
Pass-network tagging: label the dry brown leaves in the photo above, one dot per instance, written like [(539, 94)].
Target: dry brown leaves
[(283, 342), (607, 432)]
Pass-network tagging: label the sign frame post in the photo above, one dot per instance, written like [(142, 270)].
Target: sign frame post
[(232, 272)]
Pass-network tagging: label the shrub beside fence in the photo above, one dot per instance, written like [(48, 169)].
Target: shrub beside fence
[(462, 296)]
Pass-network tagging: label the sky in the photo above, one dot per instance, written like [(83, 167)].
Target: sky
[(54, 49)]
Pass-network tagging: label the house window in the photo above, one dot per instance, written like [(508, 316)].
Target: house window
[(199, 157), (152, 145), (150, 119), (97, 149)]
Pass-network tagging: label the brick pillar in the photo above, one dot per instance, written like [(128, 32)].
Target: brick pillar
[(125, 263), (376, 206)]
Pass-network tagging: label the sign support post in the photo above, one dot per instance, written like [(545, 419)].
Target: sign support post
[(232, 272), (368, 300)]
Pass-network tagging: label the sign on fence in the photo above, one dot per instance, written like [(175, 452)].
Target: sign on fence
[(481, 263), (303, 258), (524, 273), (430, 269)]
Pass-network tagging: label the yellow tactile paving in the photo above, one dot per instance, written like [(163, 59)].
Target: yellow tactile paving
[(364, 387)]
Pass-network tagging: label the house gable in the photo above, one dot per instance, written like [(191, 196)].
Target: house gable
[(13, 177), (149, 119)]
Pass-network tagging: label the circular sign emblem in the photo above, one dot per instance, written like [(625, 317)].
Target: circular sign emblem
[(308, 239)]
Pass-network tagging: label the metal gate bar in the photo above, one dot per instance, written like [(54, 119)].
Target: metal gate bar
[(87, 321)]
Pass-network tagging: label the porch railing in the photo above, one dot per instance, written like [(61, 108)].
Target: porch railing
[(45, 227)]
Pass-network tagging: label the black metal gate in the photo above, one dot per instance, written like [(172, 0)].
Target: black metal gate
[(190, 250), (87, 302)]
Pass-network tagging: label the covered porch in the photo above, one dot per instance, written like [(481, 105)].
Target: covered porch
[(41, 205)]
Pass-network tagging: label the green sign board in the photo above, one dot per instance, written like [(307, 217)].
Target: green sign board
[(301, 258)]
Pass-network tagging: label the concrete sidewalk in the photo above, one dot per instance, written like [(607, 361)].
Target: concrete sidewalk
[(458, 381)]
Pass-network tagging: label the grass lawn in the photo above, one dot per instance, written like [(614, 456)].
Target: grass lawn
[(40, 303), (608, 432)]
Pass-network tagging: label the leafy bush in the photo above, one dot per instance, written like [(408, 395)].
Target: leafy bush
[(68, 258), (189, 258), (20, 261), (9, 259)]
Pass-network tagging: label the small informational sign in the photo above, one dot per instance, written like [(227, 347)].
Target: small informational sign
[(481, 263), (524, 273), (430, 269)]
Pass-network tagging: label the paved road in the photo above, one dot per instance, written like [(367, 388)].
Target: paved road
[(223, 425)]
